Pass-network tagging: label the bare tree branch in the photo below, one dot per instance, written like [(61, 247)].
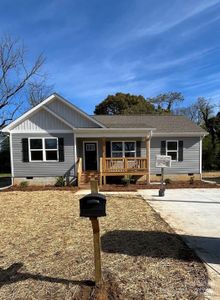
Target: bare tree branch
[(15, 75)]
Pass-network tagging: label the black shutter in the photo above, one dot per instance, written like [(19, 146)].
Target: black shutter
[(25, 153), (180, 154), (61, 149), (108, 149), (163, 148), (138, 148)]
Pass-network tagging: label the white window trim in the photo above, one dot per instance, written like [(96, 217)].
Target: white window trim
[(123, 148), (43, 149), (177, 150)]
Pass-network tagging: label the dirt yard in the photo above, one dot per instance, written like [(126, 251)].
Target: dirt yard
[(46, 251)]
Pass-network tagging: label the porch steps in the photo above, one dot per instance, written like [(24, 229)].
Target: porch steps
[(86, 176)]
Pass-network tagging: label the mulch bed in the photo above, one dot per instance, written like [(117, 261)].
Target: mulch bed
[(172, 185), (35, 188), (46, 251)]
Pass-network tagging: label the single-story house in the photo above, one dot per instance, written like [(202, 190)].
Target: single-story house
[(56, 138)]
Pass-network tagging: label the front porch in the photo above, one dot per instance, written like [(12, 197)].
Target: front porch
[(95, 158)]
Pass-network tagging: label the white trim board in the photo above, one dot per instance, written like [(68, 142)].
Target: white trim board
[(11, 157), (111, 135), (40, 131)]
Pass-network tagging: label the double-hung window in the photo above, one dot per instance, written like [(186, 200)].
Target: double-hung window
[(123, 149), (172, 149), (43, 149)]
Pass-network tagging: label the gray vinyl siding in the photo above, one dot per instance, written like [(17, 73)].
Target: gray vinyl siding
[(191, 156), (70, 115), (42, 120), (41, 169)]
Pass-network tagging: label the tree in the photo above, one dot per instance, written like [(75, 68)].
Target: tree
[(37, 91), (190, 112), (167, 101), (205, 109), (15, 74), (121, 103)]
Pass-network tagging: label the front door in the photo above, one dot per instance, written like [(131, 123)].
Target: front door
[(90, 156)]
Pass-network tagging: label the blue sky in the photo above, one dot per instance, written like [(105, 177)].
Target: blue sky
[(100, 47)]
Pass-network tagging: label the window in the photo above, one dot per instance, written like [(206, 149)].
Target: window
[(172, 149), (43, 149), (123, 149)]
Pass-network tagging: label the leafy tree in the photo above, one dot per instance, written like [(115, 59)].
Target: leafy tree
[(165, 102), (15, 75), (121, 103)]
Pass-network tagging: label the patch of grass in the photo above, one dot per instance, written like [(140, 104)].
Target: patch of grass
[(47, 250)]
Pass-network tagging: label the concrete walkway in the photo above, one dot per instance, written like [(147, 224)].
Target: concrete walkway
[(195, 215)]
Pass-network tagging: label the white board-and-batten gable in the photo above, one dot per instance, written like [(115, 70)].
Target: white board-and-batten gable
[(54, 113), (41, 121)]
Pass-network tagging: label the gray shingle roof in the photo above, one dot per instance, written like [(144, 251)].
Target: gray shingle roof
[(166, 124)]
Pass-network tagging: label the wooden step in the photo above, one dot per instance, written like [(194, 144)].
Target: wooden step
[(86, 176)]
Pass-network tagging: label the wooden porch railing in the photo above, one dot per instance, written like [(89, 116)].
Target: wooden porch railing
[(79, 169), (123, 165)]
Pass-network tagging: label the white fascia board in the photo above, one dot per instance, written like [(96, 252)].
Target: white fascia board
[(27, 114), (42, 131), (104, 135), (113, 132), (113, 129), (58, 117), (179, 134), (72, 106)]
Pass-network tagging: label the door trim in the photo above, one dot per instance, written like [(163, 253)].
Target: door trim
[(97, 153)]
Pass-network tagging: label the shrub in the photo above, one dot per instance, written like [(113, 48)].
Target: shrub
[(60, 181), (24, 184), (168, 181), (126, 180), (191, 181)]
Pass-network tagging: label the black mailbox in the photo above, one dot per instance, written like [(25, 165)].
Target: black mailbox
[(93, 205)]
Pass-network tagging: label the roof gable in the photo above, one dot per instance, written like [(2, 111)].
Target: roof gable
[(61, 102), (71, 115), (41, 120)]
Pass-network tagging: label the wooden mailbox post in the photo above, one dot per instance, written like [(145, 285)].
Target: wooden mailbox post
[(93, 206), (96, 239)]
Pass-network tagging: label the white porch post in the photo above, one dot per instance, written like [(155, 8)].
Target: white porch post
[(148, 158)]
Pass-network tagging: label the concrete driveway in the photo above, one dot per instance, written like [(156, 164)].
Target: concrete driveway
[(195, 215)]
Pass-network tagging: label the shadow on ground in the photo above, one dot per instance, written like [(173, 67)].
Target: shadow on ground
[(12, 274), (157, 244)]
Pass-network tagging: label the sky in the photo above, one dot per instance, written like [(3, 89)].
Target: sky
[(94, 48)]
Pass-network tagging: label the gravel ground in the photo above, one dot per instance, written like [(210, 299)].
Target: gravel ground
[(47, 250)]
